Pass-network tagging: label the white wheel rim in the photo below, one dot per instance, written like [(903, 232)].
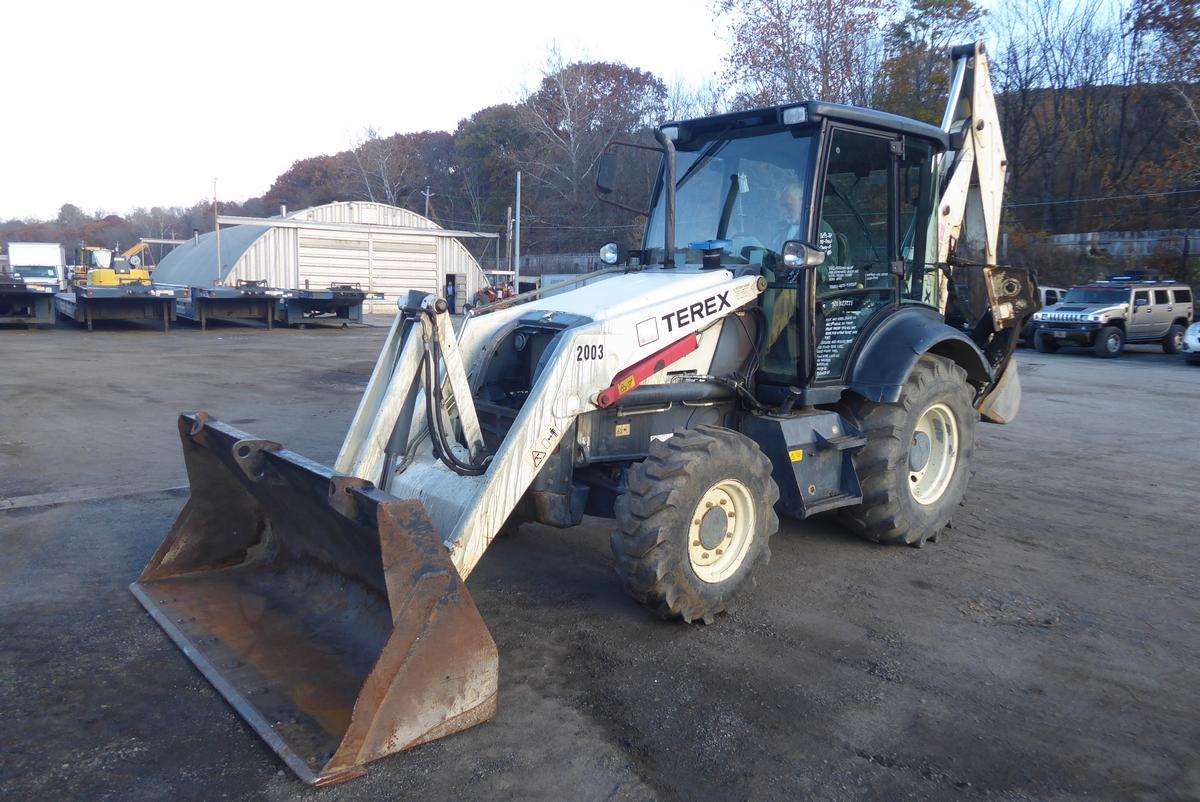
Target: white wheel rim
[(1114, 343), (720, 531), (933, 454)]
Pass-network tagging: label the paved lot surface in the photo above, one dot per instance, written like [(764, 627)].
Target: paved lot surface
[(1046, 647)]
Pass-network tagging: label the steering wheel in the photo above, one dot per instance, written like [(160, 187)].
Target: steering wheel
[(742, 241)]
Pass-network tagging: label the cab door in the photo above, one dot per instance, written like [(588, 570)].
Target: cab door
[(1162, 312), (1141, 325), (855, 224)]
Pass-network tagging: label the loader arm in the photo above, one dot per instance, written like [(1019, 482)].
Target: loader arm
[(385, 444)]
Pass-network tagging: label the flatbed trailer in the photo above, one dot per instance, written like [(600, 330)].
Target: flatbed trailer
[(340, 303), (85, 305), (28, 304), (248, 300)]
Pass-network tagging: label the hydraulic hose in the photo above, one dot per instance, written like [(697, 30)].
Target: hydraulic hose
[(433, 407)]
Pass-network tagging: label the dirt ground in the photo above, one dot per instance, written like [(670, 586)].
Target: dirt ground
[(1046, 647)]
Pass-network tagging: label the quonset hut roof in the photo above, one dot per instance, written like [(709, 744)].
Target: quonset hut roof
[(194, 263)]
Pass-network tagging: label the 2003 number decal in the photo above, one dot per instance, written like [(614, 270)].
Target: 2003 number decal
[(588, 352)]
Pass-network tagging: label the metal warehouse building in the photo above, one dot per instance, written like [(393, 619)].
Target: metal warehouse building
[(381, 248)]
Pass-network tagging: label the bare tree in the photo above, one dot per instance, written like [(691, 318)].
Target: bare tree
[(578, 108), (382, 165), (802, 49), (687, 101)]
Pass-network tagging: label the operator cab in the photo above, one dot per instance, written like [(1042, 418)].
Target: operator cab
[(857, 185)]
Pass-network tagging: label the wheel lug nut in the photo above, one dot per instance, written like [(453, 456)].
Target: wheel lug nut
[(722, 502), (708, 504), (695, 542), (719, 552), (696, 521), (704, 555)]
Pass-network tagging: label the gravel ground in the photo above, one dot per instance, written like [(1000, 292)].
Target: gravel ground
[(1045, 647)]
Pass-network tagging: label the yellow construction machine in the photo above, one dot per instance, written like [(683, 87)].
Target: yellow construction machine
[(101, 267)]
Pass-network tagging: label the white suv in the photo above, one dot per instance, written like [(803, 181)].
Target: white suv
[(1191, 344)]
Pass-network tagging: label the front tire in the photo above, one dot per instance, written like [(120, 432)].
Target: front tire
[(1110, 342), (1044, 345), (1028, 334), (916, 464), (1173, 342), (694, 522)]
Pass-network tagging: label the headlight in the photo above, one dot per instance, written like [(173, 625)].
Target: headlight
[(610, 253), (1095, 318)]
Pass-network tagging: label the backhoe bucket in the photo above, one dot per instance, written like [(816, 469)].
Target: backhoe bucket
[(326, 611)]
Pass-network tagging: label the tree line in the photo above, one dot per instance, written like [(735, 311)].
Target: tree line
[(1099, 104)]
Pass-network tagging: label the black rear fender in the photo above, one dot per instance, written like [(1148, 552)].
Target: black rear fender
[(891, 350)]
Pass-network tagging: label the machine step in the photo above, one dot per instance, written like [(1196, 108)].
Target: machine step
[(832, 503), (840, 442)]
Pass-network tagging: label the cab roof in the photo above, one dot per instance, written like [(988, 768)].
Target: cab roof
[(773, 116), (1124, 283)]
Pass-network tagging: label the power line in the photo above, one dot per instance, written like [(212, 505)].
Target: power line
[(1101, 198)]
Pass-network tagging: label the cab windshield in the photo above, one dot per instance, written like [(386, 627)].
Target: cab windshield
[(34, 271), (1093, 295), (751, 190)]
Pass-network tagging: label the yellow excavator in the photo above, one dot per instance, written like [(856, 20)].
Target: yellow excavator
[(101, 267)]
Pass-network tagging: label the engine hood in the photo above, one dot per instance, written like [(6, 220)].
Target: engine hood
[(653, 289), (1077, 311)]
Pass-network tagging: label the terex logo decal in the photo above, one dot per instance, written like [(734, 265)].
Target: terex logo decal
[(701, 309)]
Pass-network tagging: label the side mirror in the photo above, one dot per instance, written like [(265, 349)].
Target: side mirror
[(606, 172), (1141, 301), (802, 254)]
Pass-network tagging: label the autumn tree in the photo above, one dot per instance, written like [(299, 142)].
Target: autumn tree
[(488, 146), (310, 182), (1175, 27), (1171, 29), (916, 69), (782, 50)]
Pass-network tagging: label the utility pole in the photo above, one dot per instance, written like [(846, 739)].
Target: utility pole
[(217, 232), (508, 228), (517, 240), (427, 195)]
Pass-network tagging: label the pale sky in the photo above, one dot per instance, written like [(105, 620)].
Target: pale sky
[(237, 91)]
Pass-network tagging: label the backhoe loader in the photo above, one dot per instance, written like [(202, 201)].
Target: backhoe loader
[(815, 321)]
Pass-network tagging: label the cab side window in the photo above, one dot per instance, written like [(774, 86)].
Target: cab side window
[(1183, 296), (1141, 298), (1162, 297)]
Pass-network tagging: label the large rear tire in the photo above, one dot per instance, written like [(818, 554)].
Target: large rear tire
[(916, 464), (694, 522), (1173, 342)]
